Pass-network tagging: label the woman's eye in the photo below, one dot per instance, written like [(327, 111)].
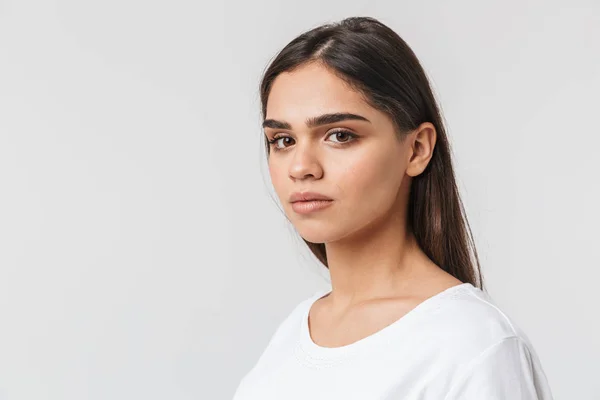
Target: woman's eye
[(341, 136), (277, 139), (344, 135)]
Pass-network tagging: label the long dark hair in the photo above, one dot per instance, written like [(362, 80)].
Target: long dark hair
[(374, 60)]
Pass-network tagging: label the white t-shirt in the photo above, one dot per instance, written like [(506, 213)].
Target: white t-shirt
[(454, 345)]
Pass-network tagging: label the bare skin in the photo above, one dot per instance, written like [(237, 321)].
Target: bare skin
[(378, 271)]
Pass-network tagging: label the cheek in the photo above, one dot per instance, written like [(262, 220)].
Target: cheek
[(371, 182)]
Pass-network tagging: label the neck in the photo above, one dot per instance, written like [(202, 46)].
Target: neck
[(382, 260)]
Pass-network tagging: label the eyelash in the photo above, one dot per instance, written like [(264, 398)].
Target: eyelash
[(276, 138)]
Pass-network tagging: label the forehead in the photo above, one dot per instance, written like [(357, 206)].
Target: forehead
[(311, 90)]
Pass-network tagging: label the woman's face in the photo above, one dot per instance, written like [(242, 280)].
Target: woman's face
[(358, 163)]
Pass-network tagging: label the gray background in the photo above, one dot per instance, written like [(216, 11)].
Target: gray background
[(143, 254)]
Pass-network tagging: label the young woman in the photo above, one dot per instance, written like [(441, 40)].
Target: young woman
[(360, 161)]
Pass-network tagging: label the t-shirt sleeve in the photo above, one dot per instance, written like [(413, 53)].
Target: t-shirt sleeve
[(505, 370)]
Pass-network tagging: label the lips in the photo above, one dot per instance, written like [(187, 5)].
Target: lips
[(312, 206), (308, 196)]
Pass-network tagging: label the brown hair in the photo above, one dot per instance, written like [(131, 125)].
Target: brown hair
[(374, 60)]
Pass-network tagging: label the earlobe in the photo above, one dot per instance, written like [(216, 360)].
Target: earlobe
[(416, 168)]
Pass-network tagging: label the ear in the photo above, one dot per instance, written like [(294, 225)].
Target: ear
[(422, 142)]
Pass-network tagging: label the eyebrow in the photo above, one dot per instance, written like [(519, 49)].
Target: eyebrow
[(313, 122)]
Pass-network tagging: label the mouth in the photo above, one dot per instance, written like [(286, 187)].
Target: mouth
[(308, 196), (310, 206)]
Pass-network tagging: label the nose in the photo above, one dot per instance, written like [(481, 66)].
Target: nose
[(305, 163)]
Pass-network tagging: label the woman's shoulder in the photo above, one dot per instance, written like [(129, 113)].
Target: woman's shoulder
[(472, 320), (490, 352)]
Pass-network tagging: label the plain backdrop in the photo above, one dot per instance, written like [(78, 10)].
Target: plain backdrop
[(143, 253)]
